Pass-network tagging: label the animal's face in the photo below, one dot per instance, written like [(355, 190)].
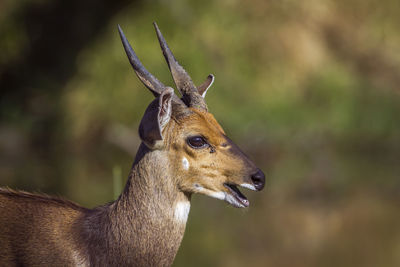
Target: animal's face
[(207, 161), (203, 159)]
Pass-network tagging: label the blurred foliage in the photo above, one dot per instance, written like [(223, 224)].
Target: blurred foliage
[(309, 89)]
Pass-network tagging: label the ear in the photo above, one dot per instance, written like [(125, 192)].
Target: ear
[(155, 118), (204, 86)]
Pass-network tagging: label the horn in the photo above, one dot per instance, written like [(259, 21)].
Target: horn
[(151, 82), (184, 83)]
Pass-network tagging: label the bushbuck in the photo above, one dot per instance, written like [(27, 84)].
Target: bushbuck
[(183, 151)]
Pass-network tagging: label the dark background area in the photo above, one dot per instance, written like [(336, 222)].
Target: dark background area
[(308, 89)]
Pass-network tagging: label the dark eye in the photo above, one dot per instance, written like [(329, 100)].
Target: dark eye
[(197, 142)]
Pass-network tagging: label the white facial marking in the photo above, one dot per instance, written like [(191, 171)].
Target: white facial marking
[(222, 195), (225, 196), (249, 186), (185, 163), (181, 213), (218, 195)]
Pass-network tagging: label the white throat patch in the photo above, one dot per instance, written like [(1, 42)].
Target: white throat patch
[(181, 213), (185, 163)]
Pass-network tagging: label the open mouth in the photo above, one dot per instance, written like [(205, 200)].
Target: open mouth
[(236, 198)]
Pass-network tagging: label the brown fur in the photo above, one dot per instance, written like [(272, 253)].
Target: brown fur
[(145, 225), (31, 228), (210, 170), (138, 229)]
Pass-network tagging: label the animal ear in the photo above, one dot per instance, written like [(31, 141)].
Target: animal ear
[(204, 86), (155, 118)]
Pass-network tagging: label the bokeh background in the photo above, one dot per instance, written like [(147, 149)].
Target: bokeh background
[(309, 89)]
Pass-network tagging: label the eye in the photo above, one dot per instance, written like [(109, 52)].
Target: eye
[(197, 142)]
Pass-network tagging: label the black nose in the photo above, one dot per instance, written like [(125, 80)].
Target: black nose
[(258, 180)]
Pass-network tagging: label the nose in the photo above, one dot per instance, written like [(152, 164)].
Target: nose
[(258, 180)]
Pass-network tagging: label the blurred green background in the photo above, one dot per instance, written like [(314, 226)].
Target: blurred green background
[(309, 89)]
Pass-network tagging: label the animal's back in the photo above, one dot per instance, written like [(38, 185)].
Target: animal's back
[(37, 230)]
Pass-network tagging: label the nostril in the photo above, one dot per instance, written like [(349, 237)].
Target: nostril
[(258, 179)]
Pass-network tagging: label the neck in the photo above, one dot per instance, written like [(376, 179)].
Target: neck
[(145, 225)]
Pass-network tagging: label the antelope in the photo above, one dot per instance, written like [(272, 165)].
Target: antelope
[(183, 151)]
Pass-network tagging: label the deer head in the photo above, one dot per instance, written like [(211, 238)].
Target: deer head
[(202, 158)]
